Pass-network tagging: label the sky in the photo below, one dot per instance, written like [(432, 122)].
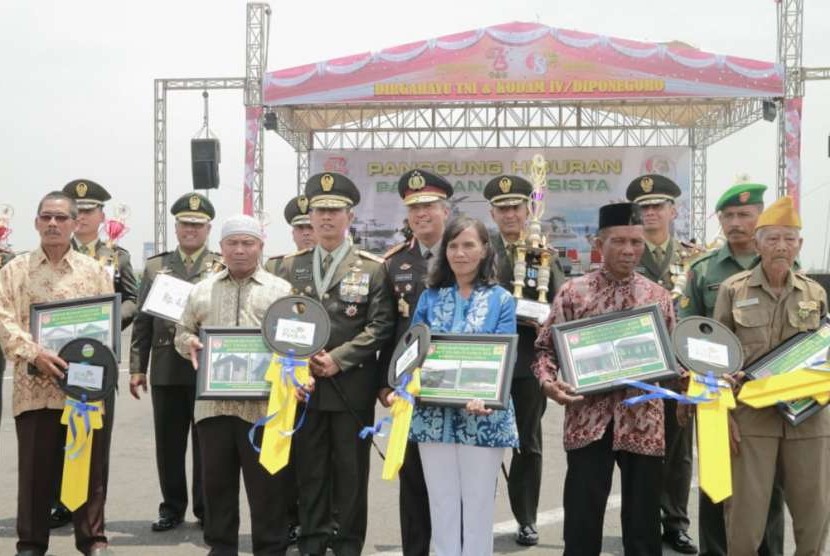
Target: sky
[(78, 93)]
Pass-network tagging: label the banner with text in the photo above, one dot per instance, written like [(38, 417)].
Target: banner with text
[(579, 181)]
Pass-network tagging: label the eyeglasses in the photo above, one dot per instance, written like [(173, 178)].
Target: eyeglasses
[(59, 218)]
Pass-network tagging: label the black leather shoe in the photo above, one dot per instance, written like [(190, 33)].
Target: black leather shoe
[(165, 523), (59, 517), (527, 535), (293, 534), (680, 541)]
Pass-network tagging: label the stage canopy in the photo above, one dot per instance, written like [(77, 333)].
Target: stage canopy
[(519, 85)]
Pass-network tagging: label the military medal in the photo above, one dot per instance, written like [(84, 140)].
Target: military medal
[(403, 307), (351, 310), (307, 289)]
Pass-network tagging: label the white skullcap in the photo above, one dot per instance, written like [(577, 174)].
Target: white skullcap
[(242, 224)]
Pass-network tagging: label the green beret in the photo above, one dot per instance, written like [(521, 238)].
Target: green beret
[(194, 208), (742, 194), (87, 194)]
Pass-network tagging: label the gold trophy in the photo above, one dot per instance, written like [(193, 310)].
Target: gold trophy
[(531, 257)]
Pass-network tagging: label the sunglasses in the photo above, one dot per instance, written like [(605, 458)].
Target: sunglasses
[(59, 218)]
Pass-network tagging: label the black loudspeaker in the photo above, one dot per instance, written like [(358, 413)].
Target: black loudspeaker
[(824, 280), (204, 159)]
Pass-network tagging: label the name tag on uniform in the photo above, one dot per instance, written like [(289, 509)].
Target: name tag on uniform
[(713, 287), (747, 302)]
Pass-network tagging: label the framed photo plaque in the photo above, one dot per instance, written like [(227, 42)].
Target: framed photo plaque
[(232, 364), (55, 324), (802, 350), (462, 367), (595, 353)]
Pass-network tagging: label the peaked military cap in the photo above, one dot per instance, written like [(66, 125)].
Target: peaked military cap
[(620, 214), (742, 194), (194, 208), (421, 186), (505, 191), (652, 189), (296, 211), (87, 194), (331, 190)]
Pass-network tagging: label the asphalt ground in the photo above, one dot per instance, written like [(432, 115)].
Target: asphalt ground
[(134, 496)]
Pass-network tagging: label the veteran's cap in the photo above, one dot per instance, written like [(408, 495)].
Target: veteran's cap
[(194, 208), (742, 193), (781, 213), (421, 186), (652, 189), (87, 194), (296, 211), (505, 191), (331, 190), (620, 214)]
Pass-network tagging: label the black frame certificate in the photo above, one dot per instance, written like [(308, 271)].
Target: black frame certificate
[(55, 324), (800, 351), (232, 364), (462, 367), (167, 297), (596, 353)]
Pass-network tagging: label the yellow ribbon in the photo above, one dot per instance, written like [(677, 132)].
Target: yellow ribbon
[(786, 387), (714, 460), (75, 484), (276, 444), (401, 420)]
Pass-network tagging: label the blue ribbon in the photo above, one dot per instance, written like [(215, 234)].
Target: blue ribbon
[(660, 393), (401, 392), (82, 409), (287, 375), (375, 429)]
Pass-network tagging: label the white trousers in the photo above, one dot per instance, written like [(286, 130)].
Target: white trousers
[(461, 480)]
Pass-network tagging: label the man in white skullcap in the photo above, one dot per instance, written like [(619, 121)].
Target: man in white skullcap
[(238, 296)]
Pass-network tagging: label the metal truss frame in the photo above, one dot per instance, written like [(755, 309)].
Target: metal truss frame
[(255, 63), (695, 123), (790, 38)]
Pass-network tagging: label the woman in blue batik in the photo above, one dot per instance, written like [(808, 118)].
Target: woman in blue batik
[(462, 448)]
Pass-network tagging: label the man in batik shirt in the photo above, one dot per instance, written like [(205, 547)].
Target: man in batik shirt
[(600, 429)]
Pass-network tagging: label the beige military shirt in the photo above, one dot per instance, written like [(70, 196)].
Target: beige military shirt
[(31, 278), (763, 321), (222, 301)]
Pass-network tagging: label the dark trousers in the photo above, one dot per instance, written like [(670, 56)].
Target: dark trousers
[(173, 420), (416, 528), (712, 526), (2, 372), (225, 450), (40, 440), (587, 485), (525, 477), (332, 465), (677, 471)]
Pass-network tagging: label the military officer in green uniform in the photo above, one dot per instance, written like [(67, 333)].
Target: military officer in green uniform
[(738, 210), (664, 261), (425, 196), (172, 378), (296, 214), (90, 198), (509, 198), (332, 461)]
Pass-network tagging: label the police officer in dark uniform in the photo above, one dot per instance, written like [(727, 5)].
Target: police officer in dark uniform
[(332, 462), (296, 214), (173, 379), (425, 196), (509, 197), (90, 198), (665, 261)]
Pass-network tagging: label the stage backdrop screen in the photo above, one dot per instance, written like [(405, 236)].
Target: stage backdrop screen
[(579, 181)]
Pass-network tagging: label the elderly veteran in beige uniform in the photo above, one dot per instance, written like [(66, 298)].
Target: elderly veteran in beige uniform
[(235, 297), (764, 307)]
